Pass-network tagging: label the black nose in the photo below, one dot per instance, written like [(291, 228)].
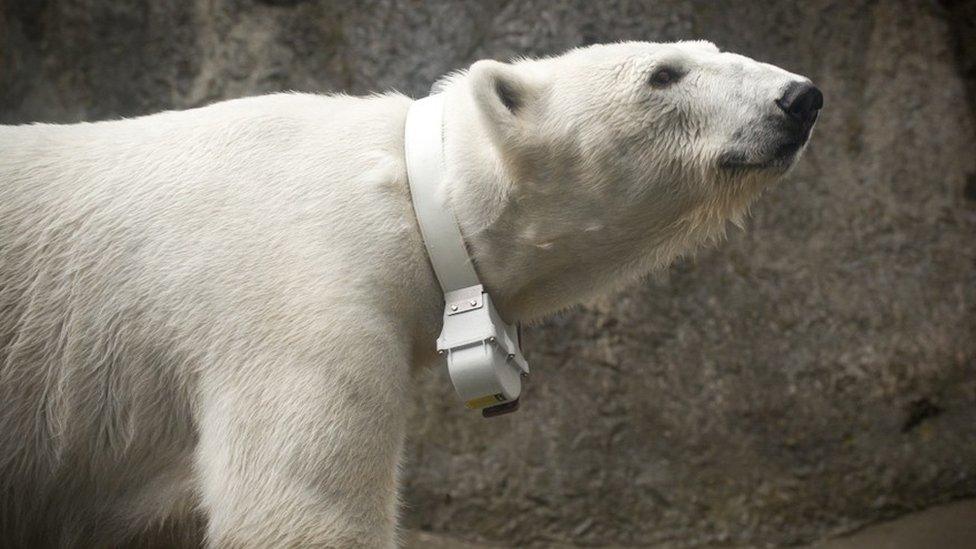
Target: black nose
[(802, 101)]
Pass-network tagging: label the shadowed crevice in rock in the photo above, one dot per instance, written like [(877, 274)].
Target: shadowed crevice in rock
[(960, 15), (919, 411)]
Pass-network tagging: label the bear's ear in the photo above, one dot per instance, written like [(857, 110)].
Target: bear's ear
[(504, 97)]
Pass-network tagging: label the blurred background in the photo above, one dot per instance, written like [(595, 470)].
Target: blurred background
[(814, 374)]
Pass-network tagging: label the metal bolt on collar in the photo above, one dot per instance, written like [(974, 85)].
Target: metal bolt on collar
[(454, 307)]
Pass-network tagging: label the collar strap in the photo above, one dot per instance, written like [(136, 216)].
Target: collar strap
[(483, 352)]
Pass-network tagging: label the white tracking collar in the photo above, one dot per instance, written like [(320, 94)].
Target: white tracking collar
[(484, 358)]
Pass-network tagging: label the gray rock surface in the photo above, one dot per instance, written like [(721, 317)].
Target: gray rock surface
[(814, 373), (941, 527)]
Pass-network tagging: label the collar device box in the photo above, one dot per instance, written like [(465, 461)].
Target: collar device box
[(483, 354)]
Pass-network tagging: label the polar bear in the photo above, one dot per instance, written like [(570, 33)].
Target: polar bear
[(213, 316)]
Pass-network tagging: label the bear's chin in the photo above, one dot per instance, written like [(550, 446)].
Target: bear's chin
[(782, 159)]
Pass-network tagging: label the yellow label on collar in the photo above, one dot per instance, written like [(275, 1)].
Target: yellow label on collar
[(486, 400)]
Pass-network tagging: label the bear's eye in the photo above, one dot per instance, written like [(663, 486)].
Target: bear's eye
[(663, 77)]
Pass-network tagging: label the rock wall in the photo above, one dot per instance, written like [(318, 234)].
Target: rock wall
[(813, 373)]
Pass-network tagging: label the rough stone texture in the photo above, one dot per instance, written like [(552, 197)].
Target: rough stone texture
[(812, 374)]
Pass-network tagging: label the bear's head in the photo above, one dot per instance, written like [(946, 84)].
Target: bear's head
[(574, 174)]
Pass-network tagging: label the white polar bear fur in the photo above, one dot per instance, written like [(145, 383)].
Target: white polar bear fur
[(215, 314)]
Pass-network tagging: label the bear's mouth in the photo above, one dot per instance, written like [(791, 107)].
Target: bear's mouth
[(777, 151), (782, 157)]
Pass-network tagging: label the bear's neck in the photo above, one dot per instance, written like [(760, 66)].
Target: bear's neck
[(533, 259)]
